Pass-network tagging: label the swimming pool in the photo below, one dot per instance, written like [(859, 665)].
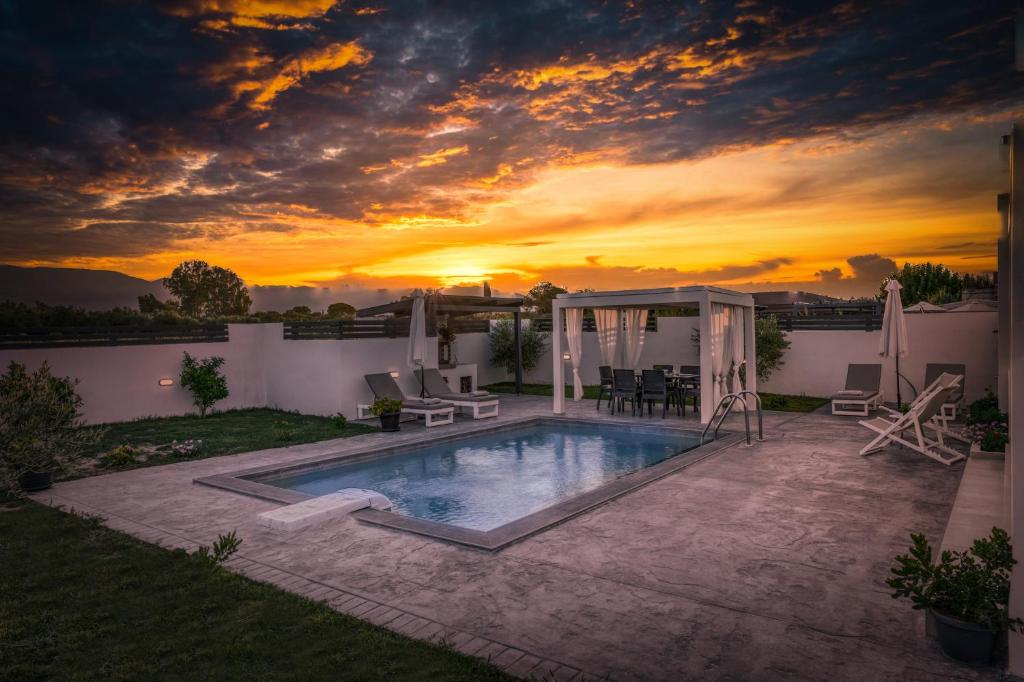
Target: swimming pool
[(493, 486), (486, 481)]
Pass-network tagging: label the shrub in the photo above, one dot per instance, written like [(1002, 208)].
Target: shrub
[(221, 550), (503, 346), (340, 421), (122, 455), (203, 379), (972, 585), (985, 410), (40, 424), (385, 406)]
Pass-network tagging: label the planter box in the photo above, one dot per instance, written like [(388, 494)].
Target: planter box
[(976, 451)]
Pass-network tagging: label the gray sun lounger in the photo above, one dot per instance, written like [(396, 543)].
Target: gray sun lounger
[(863, 391), (955, 403), (481, 406), (383, 385)]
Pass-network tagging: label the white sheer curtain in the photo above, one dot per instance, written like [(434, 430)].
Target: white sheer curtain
[(636, 326), (718, 351), (608, 325), (574, 339), (738, 346)]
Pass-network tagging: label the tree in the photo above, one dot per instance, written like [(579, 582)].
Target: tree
[(934, 283), (503, 346), (204, 381), (340, 311), (540, 296), (150, 304), (205, 291), (770, 344)]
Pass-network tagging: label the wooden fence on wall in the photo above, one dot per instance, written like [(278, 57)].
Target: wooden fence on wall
[(389, 328), (73, 337)]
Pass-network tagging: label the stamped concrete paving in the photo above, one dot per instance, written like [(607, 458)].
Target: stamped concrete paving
[(763, 562)]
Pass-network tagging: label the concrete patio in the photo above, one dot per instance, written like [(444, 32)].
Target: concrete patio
[(764, 562)]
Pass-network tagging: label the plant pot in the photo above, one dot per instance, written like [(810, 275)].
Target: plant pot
[(389, 422), (967, 642), (34, 481)]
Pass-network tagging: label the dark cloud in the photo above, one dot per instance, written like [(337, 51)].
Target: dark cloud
[(871, 267), (211, 113)]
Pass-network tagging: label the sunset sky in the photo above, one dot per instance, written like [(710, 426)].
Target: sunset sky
[(386, 145)]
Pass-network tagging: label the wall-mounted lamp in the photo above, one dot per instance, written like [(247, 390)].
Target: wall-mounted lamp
[(166, 381), (566, 356), (394, 374)]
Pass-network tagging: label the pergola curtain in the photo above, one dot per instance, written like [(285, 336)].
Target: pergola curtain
[(738, 347), (608, 324), (574, 339), (636, 326)]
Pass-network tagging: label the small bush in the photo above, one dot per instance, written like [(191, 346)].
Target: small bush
[(340, 420), (985, 410), (204, 380), (972, 585), (221, 550), (385, 406), (122, 455)]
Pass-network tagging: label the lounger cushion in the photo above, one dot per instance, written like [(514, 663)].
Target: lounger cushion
[(422, 405), (854, 395), (466, 397)]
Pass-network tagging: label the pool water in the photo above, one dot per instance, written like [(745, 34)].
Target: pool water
[(486, 481)]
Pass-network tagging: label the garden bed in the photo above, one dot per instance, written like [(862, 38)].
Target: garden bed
[(151, 441)]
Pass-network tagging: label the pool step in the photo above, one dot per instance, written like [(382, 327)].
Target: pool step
[(319, 509)]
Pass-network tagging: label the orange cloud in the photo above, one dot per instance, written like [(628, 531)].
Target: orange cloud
[(330, 58), (441, 156)]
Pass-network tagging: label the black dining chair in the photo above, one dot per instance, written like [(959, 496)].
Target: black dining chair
[(623, 389), (607, 385), (690, 384), (676, 390), (654, 387)]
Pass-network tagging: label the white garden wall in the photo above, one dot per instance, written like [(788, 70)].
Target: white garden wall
[(815, 363), (325, 377)]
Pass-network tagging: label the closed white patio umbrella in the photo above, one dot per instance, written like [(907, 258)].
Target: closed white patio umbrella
[(893, 342), (418, 336)]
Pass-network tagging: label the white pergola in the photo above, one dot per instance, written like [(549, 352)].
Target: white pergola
[(702, 297)]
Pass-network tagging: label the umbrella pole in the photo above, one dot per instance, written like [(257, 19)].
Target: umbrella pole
[(899, 397)]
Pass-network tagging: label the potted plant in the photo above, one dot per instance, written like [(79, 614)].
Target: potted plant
[(41, 429), (965, 591), (389, 410)]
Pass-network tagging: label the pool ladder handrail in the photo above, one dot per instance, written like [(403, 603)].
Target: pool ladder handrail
[(728, 400)]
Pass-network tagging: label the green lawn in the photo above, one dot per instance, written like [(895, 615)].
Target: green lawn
[(222, 433), (81, 602), (770, 401)]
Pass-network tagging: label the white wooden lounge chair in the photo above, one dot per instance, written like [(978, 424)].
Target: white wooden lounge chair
[(955, 405), (943, 380), (863, 391), (434, 412), (481, 404), (912, 429)]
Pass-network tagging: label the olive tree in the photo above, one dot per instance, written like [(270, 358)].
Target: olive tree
[(503, 346)]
